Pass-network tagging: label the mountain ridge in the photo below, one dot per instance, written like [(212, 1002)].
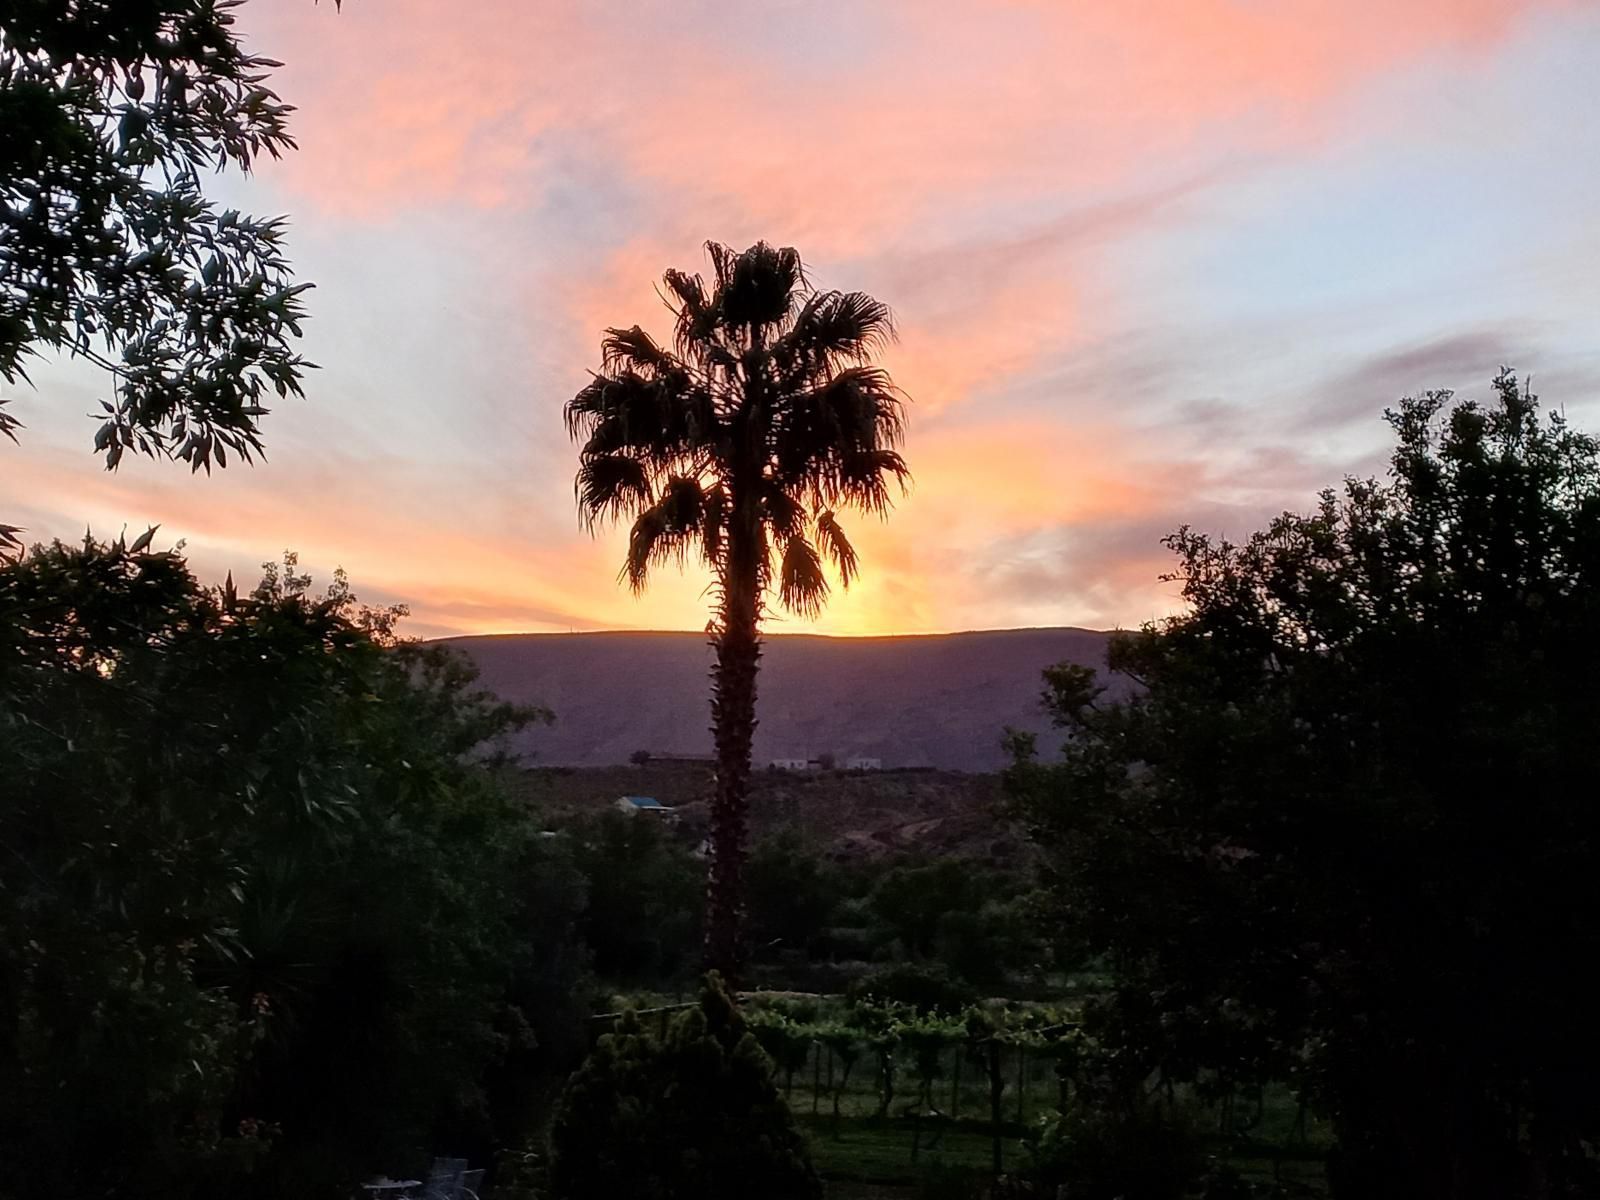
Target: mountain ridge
[(938, 700)]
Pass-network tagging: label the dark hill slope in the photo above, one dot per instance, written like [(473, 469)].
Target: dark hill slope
[(935, 701)]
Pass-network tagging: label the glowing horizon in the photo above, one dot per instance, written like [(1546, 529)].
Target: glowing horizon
[(1153, 264)]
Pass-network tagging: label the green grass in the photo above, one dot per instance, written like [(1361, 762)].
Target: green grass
[(867, 1151), (866, 1158), (850, 1189)]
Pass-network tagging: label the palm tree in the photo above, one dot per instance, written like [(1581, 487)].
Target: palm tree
[(739, 442)]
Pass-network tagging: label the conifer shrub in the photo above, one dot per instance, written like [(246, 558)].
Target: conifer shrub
[(692, 1116)]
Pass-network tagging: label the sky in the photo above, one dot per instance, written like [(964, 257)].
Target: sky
[(1154, 263)]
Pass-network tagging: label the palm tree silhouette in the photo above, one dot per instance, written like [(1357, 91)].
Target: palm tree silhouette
[(740, 441)]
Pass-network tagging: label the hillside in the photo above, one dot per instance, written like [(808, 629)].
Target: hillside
[(850, 814), (938, 701)]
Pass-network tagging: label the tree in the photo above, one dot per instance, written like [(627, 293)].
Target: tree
[(741, 440), (792, 891), (693, 1116), (110, 113), (257, 905), (641, 912), (911, 900), (1345, 834)]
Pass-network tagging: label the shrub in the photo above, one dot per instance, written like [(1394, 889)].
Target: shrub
[(693, 1116), (1104, 1152), (926, 989)]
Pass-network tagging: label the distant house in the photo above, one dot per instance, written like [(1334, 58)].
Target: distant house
[(647, 805), (863, 764), (791, 764)]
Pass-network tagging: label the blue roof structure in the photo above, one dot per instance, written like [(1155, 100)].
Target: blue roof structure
[(643, 801)]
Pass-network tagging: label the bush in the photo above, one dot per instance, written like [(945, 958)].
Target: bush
[(694, 1116), (790, 892), (926, 989), (1144, 1152)]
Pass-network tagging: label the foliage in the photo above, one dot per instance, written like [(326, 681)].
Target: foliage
[(787, 1041), (922, 989), (912, 900), (256, 921), (791, 892), (740, 441), (1343, 834), (1096, 1152), (643, 896), (695, 1116), (553, 991), (110, 114)]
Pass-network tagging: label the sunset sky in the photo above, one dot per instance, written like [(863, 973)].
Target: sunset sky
[(1153, 261)]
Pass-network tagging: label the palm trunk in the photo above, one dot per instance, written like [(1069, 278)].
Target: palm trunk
[(733, 725)]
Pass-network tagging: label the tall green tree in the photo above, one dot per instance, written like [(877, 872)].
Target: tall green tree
[(259, 892), (739, 442), (1346, 832), (111, 113)]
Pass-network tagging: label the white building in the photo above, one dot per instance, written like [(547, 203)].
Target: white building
[(863, 764), (791, 764)]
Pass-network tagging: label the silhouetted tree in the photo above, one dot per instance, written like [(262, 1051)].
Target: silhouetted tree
[(641, 913), (257, 921), (740, 440), (791, 891), (1347, 832), (110, 113)]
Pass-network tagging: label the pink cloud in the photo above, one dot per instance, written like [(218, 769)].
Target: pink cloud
[(1062, 126), (421, 104)]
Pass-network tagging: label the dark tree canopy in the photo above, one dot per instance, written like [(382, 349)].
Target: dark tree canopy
[(1347, 832), (258, 930), (111, 112)]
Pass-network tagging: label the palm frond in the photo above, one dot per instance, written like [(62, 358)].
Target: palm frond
[(713, 524), (635, 350), (723, 258), (834, 328), (858, 406), (758, 288), (664, 420), (783, 513), (863, 480), (609, 486), (696, 320), (837, 547), (802, 585), (831, 440), (664, 531)]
